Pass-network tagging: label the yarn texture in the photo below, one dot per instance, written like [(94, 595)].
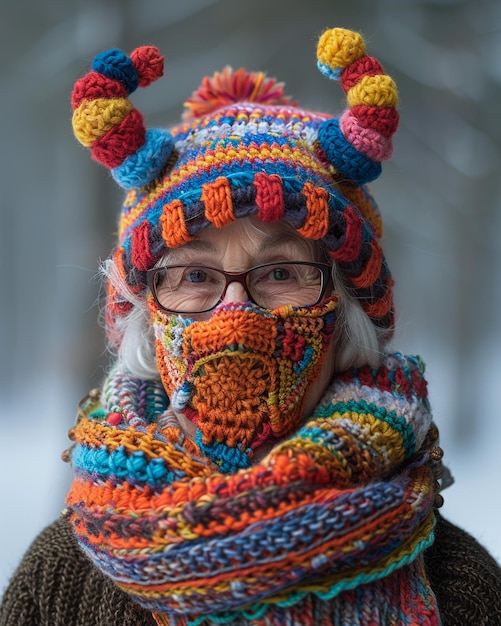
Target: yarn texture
[(465, 578), (336, 517)]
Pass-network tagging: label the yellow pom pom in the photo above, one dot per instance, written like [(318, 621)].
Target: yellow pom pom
[(337, 48), (379, 91), (94, 118)]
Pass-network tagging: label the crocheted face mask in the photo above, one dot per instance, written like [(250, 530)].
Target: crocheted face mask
[(243, 375)]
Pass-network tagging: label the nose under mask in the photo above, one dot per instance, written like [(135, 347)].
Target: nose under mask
[(243, 375)]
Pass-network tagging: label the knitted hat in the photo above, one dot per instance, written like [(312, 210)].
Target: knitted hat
[(243, 148)]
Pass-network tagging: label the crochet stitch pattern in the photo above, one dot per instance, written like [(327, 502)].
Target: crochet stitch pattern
[(328, 529), (244, 148), (243, 375)]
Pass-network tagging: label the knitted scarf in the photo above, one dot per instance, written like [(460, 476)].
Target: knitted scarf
[(328, 529)]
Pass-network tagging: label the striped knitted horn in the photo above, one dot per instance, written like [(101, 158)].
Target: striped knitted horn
[(357, 142), (105, 121)]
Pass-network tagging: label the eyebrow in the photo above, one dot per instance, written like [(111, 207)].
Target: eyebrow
[(272, 241), (269, 243), (197, 244)]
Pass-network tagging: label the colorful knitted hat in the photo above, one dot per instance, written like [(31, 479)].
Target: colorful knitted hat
[(243, 148)]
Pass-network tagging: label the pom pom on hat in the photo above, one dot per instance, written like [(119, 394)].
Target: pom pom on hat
[(231, 86), (338, 48), (116, 65), (105, 121), (149, 64)]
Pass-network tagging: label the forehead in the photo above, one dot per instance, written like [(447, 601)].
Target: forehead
[(250, 236)]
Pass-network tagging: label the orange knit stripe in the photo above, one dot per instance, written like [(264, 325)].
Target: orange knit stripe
[(255, 331), (118, 256), (141, 499), (218, 203), (174, 230), (164, 620), (372, 270), (317, 204)]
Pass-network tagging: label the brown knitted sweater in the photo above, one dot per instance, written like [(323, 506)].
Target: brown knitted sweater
[(55, 585)]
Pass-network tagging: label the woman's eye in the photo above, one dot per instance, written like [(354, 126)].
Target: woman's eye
[(196, 276), (280, 273)]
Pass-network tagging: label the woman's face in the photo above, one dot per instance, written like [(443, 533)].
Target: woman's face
[(243, 244)]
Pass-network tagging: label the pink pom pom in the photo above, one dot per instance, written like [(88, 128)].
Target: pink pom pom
[(368, 141), (149, 64)]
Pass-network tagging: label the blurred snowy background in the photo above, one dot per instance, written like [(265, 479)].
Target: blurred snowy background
[(440, 197)]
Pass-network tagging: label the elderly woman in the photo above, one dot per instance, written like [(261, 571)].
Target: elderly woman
[(255, 455)]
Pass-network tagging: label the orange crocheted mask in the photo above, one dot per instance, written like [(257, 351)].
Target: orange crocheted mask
[(243, 375)]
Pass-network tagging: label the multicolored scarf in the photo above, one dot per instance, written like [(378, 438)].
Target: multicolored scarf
[(327, 530)]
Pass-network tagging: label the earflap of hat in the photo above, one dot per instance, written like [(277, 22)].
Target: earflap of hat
[(360, 139), (105, 121)]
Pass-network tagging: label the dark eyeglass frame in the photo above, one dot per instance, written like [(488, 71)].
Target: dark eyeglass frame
[(235, 277)]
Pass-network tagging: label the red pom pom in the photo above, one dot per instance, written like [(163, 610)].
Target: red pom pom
[(114, 419), (149, 64), (94, 85), (365, 66)]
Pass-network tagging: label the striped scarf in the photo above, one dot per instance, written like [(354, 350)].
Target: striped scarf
[(329, 529)]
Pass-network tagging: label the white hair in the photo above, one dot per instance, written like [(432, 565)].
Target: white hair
[(359, 341)]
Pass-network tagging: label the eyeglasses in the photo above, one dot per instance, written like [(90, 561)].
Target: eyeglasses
[(199, 288)]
